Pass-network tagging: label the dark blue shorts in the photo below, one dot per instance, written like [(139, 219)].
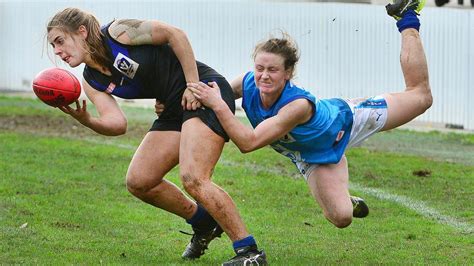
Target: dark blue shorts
[(174, 116)]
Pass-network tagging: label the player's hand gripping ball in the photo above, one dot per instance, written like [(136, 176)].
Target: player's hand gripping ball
[(56, 87)]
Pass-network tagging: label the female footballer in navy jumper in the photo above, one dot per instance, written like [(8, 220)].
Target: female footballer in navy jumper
[(138, 59)]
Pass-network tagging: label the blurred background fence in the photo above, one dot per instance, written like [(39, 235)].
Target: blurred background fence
[(347, 49)]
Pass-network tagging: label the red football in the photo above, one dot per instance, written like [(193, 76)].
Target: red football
[(56, 87)]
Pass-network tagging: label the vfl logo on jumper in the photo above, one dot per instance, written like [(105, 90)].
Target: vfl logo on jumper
[(125, 65)]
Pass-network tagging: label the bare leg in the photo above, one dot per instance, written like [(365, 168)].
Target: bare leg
[(157, 155), (329, 185), (416, 99), (200, 150)]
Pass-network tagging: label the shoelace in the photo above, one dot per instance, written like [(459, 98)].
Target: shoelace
[(186, 233), (201, 241)]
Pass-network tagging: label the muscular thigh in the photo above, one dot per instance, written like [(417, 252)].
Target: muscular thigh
[(370, 116), (200, 148), (402, 108), (157, 154), (207, 115), (329, 184)]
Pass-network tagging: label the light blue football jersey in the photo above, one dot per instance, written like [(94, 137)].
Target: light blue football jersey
[(321, 140)]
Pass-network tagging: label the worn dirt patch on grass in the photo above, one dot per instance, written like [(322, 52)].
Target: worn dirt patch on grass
[(59, 126)]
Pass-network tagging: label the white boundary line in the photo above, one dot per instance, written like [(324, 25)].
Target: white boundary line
[(417, 206), (414, 205)]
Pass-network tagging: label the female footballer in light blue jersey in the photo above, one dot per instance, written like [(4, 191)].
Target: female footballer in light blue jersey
[(313, 132)]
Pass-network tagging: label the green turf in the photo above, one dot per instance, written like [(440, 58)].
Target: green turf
[(63, 201)]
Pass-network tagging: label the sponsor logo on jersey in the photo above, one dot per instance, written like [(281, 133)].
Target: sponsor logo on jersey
[(373, 103), (287, 138), (340, 135), (110, 88), (125, 65)]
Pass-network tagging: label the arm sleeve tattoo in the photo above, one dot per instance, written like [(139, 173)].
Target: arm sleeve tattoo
[(138, 31)]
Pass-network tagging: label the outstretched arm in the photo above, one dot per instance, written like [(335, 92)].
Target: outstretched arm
[(138, 32), (246, 138)]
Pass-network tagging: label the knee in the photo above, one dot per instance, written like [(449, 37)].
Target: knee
[(136, 186), (426, 98), (193, 184), (343, 223), (340, 220)]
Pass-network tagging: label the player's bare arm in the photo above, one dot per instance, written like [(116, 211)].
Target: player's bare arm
[(138, 32), (111, 120), (132, 31), (267, 132), (247, 139), (236, 85), (291, 115)]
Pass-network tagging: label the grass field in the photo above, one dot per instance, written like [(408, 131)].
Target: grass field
[(63, 199)]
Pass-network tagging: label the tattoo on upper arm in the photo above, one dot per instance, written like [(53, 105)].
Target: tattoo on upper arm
[(138, 31)]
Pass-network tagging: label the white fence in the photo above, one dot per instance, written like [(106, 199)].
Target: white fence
[(347, 50)]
